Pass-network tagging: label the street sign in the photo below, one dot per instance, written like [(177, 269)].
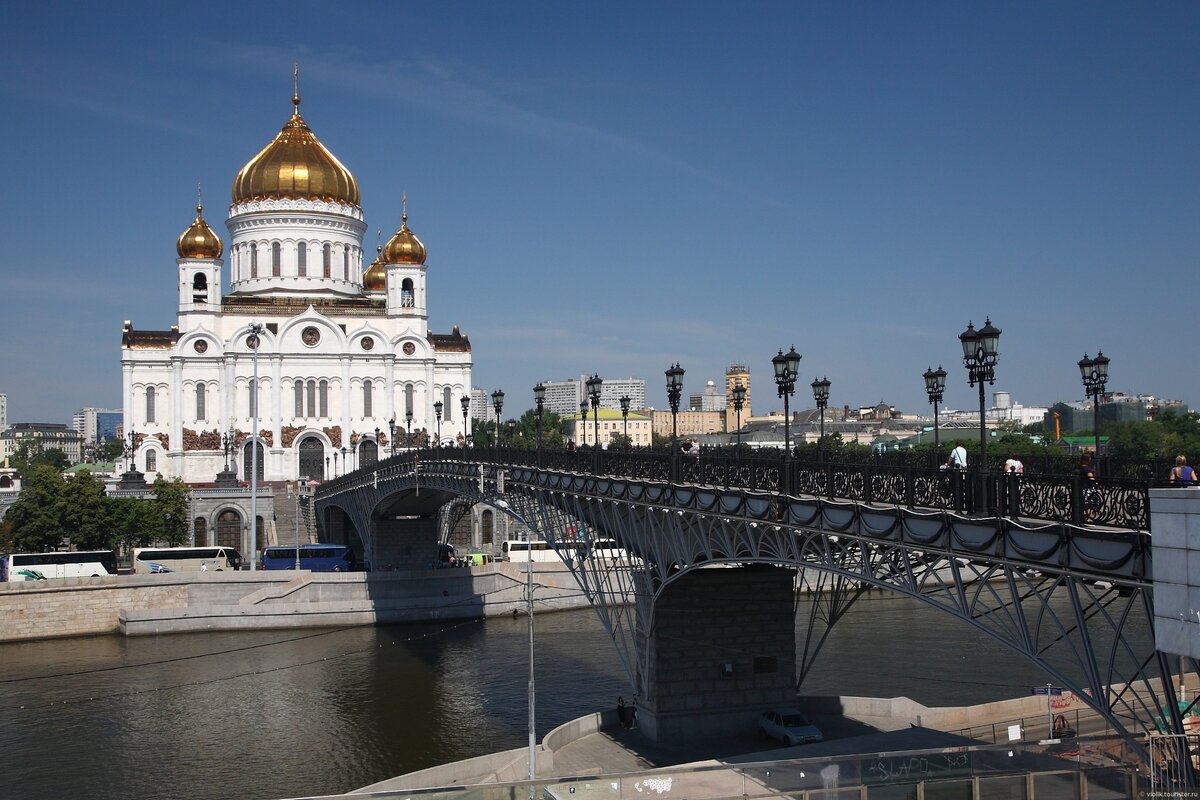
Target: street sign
[(1054, 690)]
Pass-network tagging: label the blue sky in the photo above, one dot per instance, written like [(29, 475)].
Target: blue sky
[(613, 187)]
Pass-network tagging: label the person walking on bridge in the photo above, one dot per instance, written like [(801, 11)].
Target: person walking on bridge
[(1181, 474)]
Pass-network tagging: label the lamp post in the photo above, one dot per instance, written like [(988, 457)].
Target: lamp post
[(581, 432), (408, 417), (935, 385), (256, 330), (539, 399), (392, 428), (674, 389), (787, 367), (979, 357), (625, 401), (1094, 372), (498, 404), (821, 395), (227, 442), (345, 461), (437, 415), (593, 389), (739, 402), (465, 402)]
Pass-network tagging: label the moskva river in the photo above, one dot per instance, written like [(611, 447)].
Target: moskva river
[(275, 714)]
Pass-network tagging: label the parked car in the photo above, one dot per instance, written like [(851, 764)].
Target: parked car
[(789, 726)]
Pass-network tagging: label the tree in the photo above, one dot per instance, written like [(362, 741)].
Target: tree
[(172, 501), (111, 450), (552, 430), (85, 513), (30, 454), (619, 441), (135, 522), (36, 516)]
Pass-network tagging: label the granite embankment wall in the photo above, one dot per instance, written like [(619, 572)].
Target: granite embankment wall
[(158, 604)]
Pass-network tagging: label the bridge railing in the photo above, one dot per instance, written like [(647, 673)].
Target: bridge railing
[(1072, 499)]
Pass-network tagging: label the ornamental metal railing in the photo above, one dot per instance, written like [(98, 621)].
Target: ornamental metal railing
[(1109, 502)]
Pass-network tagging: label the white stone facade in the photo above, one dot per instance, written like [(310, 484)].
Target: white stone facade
[(337, 362)]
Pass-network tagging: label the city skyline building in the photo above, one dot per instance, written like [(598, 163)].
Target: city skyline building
[(564, 397), (338, 351), (96, 423)]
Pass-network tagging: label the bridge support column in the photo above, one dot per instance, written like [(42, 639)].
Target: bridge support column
[(722, 649)]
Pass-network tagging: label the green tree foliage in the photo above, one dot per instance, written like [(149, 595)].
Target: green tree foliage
[(85, 512), (31, 454), (619, 441), (135, 522), (171, 499), (36, 516), (1169, 435), (552, 430), (111, 450)]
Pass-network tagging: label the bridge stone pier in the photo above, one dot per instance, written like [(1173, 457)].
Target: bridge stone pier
[(724, 646)]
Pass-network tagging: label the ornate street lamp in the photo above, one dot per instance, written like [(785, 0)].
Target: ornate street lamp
[(498, 404), (739, 402), (980, 351), (625, 401), (1094, 372), (408, 417), (392, 428), (674, 389), (437, 414), (935, 385), (254, 340), (593, 390), (345, 461), (465, 402), (581, 429), (539, 399), (787, 367), (227, 441), (821, 395)]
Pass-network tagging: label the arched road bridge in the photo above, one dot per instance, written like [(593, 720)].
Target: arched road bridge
[(705, 648)]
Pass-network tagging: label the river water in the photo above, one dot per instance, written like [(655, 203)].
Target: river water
[(272, 714)]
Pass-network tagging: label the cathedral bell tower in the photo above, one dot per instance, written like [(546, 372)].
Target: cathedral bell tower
[(404, 262), (199, 263)]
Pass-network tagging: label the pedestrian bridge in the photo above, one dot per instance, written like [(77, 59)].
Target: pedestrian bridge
[(719, 555)]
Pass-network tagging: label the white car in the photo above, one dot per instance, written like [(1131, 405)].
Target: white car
[(789, 726)]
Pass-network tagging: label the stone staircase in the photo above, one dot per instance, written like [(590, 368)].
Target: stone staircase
[(289, 513)]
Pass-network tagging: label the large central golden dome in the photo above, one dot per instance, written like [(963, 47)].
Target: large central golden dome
[(295, 165)]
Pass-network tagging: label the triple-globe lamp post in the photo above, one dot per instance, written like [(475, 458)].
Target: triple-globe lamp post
[(437, 414), (1094, 372), (539, 399), (821, 396), (465, 402), (739, 402), (593, 389), (787, 367), (498, 404), (674, 390), (980, 352), (625, 401), (935, 386)]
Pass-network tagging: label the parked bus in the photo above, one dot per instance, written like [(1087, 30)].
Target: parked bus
[(515, 550), (314, 557), (44, 566), (148, 560)]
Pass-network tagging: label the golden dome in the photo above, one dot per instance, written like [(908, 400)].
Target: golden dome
[(404, 247), (295, 165), (375, 276), (199, 240)]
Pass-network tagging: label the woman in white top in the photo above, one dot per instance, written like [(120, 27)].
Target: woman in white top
[(1014, 465)]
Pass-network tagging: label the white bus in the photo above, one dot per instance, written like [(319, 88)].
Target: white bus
[(44, 566), (148, 560), (516, 550)]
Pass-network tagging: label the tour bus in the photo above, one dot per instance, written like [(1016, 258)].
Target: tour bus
[(515, 550), (314, 557), (43, 566), (147, 560), (607, 548)]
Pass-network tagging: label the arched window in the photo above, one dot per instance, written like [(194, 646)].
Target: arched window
[(253, 260), (406, 293), (302, 259), (312, 399), (229, 529), (312, 459), (409, 391), (199, 288), (200, 532), (151, 461), (368, 453), (275, 260), (446, 404), (346, 264), (324, 399), (299, 390), (486, 522), (367, 404), (328, 260), (201, 398), (252, 405), (248, 455), (149, 404)]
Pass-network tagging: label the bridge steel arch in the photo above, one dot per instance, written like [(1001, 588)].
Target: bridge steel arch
[(1075, 601)]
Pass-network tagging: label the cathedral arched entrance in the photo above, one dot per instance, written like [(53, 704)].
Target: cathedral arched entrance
[(229, 529), (312, 459), (248, 457), (368, 453)]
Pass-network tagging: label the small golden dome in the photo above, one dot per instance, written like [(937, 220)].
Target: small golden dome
[(199, 240), (375, 276), (295, 165), (404, 247)]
